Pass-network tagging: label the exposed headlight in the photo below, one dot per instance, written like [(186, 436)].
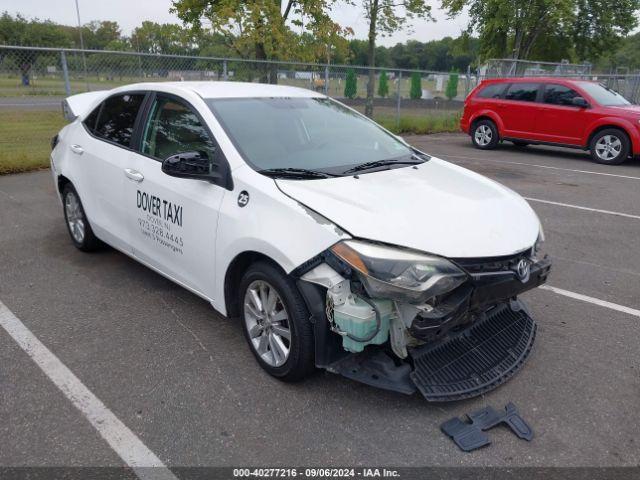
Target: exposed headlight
[(399, 274), (538, 248)]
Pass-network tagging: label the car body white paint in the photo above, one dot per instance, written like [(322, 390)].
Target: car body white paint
[(438, 208)]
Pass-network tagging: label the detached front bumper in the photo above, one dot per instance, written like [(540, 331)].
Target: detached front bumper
[(484, 290)]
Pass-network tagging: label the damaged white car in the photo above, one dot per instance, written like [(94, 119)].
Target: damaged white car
[(335, 243)]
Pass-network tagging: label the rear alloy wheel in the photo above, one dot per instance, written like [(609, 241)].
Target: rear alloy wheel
[(610, 147), (276, 322), (485, 135), (77, 222)]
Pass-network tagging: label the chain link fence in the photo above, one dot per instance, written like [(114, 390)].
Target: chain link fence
[(45, 75), (404, 100)]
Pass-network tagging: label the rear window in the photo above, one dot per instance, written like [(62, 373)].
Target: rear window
[(118, 117), (90, 121), (493, 90), (524, 92)]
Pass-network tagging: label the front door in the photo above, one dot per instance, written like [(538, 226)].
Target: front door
[(173, 220), (558, 120)]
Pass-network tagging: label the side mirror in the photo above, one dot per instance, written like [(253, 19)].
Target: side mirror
[(579, 102), (191, 165)]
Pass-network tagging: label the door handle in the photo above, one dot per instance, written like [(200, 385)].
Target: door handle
[(77, 149), (133, 175)]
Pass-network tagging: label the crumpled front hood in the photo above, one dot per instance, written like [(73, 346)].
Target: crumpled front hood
[(438, 208)]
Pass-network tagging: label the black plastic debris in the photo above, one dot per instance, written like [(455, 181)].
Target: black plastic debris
[(470, 436)]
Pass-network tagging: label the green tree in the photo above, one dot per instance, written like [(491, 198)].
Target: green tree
[(415, 92), (579, 29), (265, 30), (386, 17), (383, 84), (452, 86), (351, 84)]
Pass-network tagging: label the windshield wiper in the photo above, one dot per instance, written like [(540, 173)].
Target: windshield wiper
[(291, 172), (415, 160)]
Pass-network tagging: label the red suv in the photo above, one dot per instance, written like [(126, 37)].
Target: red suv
[(553, 111)]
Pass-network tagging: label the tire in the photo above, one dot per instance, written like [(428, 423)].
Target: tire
[(610, 146), (485, 135), (78, 225), (518, 143), (266, 334)]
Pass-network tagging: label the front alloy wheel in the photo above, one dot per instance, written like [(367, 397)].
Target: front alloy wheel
[(610, 147), (276, 322), (267, 322)]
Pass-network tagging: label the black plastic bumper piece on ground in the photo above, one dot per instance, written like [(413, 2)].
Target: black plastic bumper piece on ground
[(477, 359), (469, 436)]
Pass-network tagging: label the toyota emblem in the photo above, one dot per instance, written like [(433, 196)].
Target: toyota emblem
[(523, 270)]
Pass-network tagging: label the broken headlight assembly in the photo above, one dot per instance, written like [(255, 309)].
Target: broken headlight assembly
[(399, 274), (538, 249)]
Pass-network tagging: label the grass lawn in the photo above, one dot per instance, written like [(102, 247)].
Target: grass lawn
[(423, 124), (25, 135), (25, 139)]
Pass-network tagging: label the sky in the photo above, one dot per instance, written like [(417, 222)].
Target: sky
[(130, 13)]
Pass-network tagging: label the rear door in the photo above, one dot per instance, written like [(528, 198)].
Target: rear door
[(518, 110), (172, 221), (102, 152), (558, 120)]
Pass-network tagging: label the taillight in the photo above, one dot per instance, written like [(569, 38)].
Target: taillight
[(54, 141)]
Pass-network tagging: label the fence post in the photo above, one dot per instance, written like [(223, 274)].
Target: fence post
[(398, 99), (468, 82), (326, 79), (65, 72), (224, 70)]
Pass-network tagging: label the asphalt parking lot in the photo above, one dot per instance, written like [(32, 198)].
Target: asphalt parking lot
[(183, 381)]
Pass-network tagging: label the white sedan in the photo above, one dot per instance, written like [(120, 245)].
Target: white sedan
[(335, 243)]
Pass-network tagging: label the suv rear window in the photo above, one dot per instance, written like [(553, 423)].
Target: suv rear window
[(524, 92), (493, 90), (117, 118)]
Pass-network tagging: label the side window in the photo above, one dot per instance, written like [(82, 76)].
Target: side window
[(559, 94), (118, 117), (524, 92), (174, 128), (494, 90), (90, 121)]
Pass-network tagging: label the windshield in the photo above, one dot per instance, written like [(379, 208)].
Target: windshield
[(304, 133), (603, 95)]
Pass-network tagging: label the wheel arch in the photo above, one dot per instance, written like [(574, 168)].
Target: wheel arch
[(236, 269), (486, 115), (634, 138), (62, 182)]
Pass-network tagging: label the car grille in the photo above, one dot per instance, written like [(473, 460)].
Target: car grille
[(492, 264)]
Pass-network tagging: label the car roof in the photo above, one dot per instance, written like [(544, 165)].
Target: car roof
[(536, 80), (222, 89)]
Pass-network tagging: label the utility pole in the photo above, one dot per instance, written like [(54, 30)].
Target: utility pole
[(84, 59)]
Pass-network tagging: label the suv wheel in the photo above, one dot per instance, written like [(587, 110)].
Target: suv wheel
[(485, 135), (77, 222), (610, 146), (276, 322)]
